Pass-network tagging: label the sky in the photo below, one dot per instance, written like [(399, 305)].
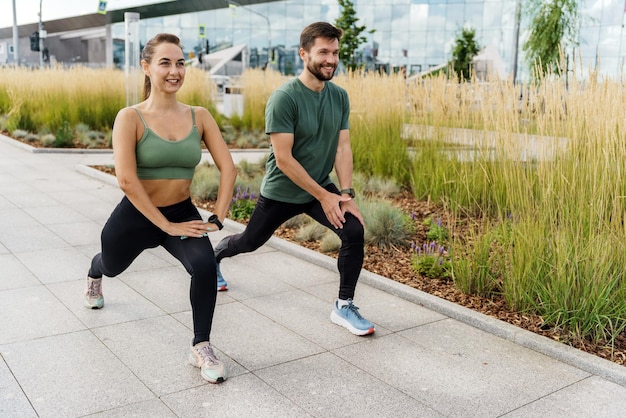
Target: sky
[(27, 11)]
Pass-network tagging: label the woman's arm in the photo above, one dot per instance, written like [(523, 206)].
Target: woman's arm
[(214, 142)]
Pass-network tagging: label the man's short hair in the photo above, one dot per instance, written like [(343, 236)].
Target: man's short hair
[(318, 30)]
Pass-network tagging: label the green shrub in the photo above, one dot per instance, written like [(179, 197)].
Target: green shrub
[(205, 183), (48, 140), (19, 133), (330, 243), (64, 136), (312, 231), (385, 225), (297, 221)]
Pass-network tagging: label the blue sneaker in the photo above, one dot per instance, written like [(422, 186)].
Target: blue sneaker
[(221, 282), (348, 316)]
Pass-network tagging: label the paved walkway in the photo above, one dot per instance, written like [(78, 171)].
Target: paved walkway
[(428, 357)]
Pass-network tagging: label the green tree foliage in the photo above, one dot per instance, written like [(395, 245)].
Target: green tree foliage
[(352, 34), (465, 49), (554, 28)]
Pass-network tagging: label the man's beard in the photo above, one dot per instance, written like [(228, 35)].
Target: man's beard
[(316, 70)]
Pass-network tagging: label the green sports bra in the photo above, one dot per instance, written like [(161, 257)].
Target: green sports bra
[(158, 158)]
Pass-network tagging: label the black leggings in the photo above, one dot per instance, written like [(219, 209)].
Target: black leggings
[(128, 233), (269, 214)]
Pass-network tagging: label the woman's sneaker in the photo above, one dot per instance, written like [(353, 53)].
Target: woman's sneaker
[(211, 369), (348, 316), (221, 282), (93, 293)]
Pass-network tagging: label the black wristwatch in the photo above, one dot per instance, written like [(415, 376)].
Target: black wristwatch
[(215, 220), (349, 191)]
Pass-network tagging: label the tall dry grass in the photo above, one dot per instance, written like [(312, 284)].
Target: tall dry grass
[(545, 175), (54, 96)]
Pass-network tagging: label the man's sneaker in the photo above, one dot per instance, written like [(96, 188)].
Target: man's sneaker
[(348, 316), (221, 282), (202, 356), (93, 293)]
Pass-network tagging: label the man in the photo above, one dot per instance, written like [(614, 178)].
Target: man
[(307, 120)]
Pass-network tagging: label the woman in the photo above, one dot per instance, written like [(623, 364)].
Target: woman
[(157, 145)]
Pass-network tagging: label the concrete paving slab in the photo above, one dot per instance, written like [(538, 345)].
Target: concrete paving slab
[(167, 288), (591, 397), (156, 350), (30, 238), (122, 304), (241, 396), (78, 233), (287, 268), (306, 315), (146, 409), (334, 388), (13, 401), (55, 265), (244, 331), (72, 375), (13, 217), (455, 369), (55, 214), (33, 312), (247, 282), (5, 203), (14, 273)]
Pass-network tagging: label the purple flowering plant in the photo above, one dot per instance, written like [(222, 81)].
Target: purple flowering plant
[(243, 204), (430, 260)]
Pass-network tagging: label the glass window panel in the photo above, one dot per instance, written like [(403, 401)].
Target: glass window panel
[(419, 16), (492, 15), (455, 18), (400, 18), (382, 18), (474, 15), (436, 17)]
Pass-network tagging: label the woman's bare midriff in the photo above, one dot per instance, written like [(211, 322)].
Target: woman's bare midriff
[(166, 192)]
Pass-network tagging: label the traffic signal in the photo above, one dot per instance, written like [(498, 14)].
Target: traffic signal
[(34, 41)]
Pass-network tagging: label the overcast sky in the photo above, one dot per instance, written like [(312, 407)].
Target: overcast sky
[(27, 11)]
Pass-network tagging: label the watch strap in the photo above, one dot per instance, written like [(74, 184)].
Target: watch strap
[(215, 220)]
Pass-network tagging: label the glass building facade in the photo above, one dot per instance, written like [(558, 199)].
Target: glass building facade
[(412, 34)]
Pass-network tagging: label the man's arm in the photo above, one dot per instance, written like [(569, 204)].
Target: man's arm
[(282, 143)]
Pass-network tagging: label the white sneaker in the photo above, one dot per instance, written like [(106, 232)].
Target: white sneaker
[(93, 293), (211, 369)]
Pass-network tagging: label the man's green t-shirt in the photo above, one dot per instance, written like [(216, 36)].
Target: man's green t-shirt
[(315, 119)]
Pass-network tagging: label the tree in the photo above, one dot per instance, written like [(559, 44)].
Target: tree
[(352, 34), (465, 49), (554, 28)]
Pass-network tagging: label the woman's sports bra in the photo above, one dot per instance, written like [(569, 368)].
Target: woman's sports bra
[(158, 158)]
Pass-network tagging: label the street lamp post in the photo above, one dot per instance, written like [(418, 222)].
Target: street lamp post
[(16, 38), (42, 36), (232, 3)]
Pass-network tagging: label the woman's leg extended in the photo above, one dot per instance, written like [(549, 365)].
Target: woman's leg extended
[(351, 253), (124, 236)]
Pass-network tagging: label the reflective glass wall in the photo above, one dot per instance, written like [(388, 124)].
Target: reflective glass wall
[(413, 34)]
